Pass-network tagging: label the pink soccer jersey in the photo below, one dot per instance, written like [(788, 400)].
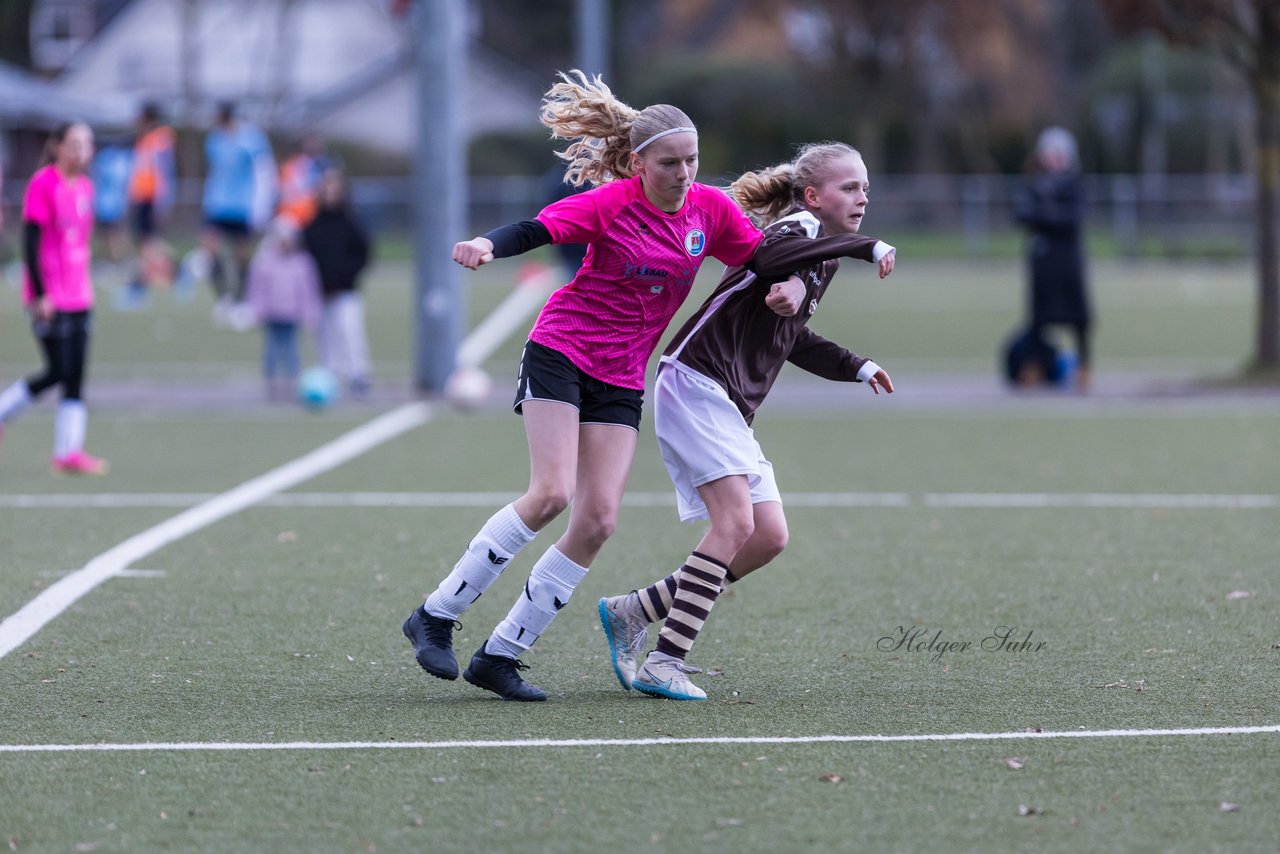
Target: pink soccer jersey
[(63, 208), (639, 268)]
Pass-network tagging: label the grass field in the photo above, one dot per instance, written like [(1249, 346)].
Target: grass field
[(247, 688)]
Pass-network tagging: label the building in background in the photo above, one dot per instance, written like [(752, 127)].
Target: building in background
[(340, 68)]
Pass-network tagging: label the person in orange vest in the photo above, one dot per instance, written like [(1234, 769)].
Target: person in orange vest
[(151, 190), (300, 181)]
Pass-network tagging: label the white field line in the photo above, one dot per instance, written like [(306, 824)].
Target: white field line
[(192, 746), (1099, 499), (991, 500), (535, 284), (56, 598)]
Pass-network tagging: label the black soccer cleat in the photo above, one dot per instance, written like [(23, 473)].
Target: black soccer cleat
[(499, 675), (432, 639)]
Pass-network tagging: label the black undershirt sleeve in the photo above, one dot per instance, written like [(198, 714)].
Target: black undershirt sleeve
[(31, 255), (517, 239)]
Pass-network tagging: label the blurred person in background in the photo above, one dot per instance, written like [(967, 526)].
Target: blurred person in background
[(109, 173), (239, 195), (3, 165), (1051, 206), (300, 177), (4, 242), (57, 227), (283, 292), (10, 257), (340, 247), (151, 194)]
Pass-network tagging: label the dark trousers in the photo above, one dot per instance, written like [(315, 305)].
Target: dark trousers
[(65, 342)]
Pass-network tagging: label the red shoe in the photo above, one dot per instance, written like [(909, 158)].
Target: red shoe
[(78, 462)]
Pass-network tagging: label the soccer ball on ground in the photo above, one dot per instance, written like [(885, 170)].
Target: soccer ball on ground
[(468, 388), (317, 388)]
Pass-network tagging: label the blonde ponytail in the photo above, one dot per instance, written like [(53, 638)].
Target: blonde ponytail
[(770, 193), (767, 194), (604, 130)]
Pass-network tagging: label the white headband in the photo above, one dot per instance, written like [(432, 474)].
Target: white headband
[(658, 136)]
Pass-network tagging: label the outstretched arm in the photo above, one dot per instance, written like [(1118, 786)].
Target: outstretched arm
[(790, 248), (827, 359), (503, 242)]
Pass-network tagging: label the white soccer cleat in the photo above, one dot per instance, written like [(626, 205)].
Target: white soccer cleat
[(667, 677), (627, 632)]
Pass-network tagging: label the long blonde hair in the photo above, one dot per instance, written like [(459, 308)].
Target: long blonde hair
[(605, 130), (769, 193)]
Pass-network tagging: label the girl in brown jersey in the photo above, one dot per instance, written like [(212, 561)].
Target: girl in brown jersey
[(714, 375)]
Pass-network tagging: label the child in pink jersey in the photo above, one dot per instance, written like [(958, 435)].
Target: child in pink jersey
[(649, 227), (57, 217)]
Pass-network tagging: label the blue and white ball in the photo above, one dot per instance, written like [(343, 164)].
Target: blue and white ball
[(317, 388)]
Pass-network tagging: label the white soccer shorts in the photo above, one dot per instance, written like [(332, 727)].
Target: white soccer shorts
[(703, 437)]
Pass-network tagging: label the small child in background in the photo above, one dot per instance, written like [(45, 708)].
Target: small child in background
[(340, 247), (283, 290)]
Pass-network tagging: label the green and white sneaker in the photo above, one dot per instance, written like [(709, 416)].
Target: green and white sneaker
[(627, 631), (664, 676)]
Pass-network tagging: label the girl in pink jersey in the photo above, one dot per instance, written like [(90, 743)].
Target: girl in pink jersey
[(714, 375), (648, 227), (57, 221)]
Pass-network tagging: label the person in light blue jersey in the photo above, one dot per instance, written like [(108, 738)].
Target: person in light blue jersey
[(110, 174), (239, 195)]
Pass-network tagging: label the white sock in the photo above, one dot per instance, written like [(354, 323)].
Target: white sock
[(69, 428), (13, 400), (501, 539), (548, 590)]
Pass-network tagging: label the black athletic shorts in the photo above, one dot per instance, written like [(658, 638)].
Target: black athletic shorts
[(547, 374), (144, 219), (229, 227)]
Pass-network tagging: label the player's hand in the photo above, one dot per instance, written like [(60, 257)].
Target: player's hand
[(886, 266), (880, 380), (43, 309), (786, 298), (474, 252)]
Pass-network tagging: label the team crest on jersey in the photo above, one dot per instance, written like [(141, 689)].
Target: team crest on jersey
[(813, 306), (695, 242)]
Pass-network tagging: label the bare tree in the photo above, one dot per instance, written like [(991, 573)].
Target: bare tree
[(1246, 34)]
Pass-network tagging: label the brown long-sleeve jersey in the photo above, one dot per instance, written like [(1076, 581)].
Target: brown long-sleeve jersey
[(738, 341)]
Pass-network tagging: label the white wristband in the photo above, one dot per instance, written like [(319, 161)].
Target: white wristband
[(868, 370), (880, 250)]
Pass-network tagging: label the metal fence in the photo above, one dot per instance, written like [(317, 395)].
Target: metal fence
[(1179, 215), (1162, 214)]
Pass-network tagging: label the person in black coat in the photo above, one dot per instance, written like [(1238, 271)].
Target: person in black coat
[(341, 249), (1051, 206)]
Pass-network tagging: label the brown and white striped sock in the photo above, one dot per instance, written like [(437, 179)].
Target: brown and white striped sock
[(698, 584), (655, 600)]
